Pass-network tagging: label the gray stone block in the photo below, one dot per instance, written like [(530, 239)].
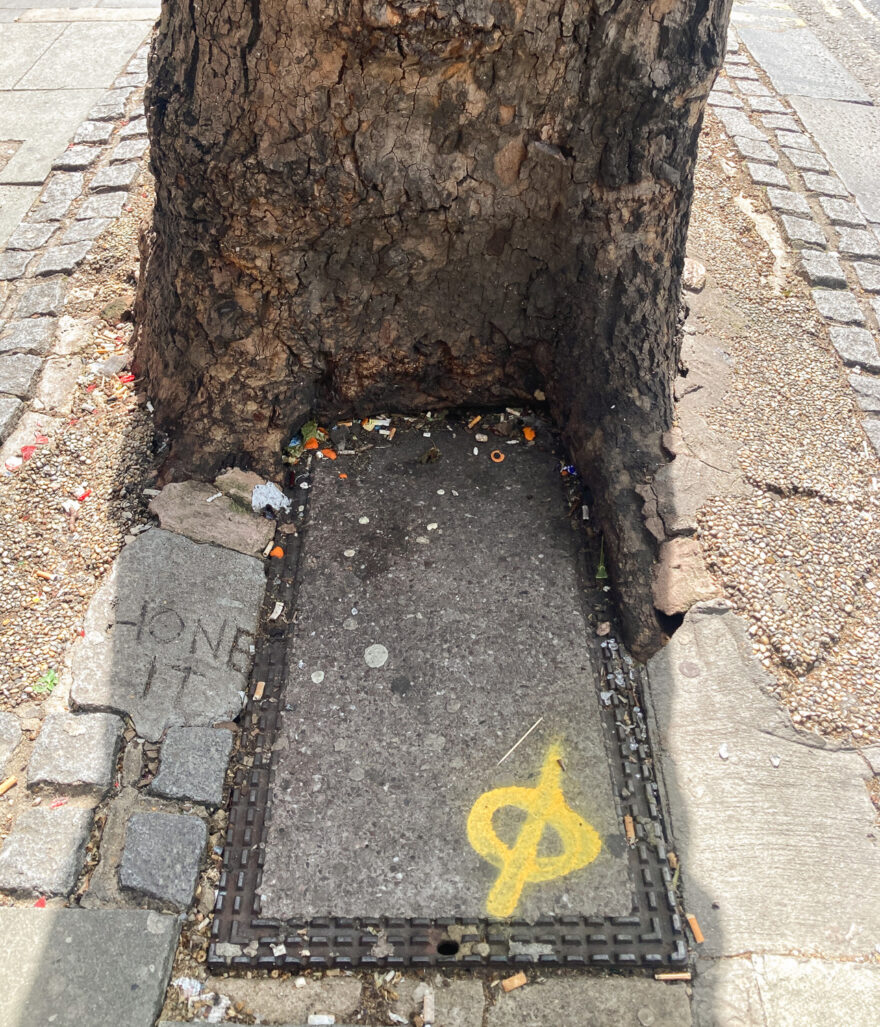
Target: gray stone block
[(131, 80), (858, 242), (742, 71), (84, 967), (62, 187), (10, 411), (104, 205), (591, 1002), (136, 128), (13, 264), (161, 857), (825, 185), (114, 178), (76, 753), (737, 123), (856, 347), (10, 736), (30, 237), (784, 201), (723, 85), (111, 106), (43, 854), (795, 140), (192, 764), (781, 122), (168, 637), (129, 149), (753, 149), (77, 158), (841, 212), (18, 374), (757, 89), (766, 174), (806, 160), (837, 305), (48, 212), (875, 303), (868, 276), (93, 132), (62, 259), (275, 1002), (766, 105), (183, 507), (44, 298), (34, 335), (872, 430), (802, 232), (81, 231), (823, 269), (867, 390), (720, 99)]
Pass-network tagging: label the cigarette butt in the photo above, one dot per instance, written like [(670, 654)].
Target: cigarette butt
[(517, 981), (471, 423), (391, 434), (630, 828), (258, 691), (10, 782), (673, 860), (45, 575), (681, 975), (695, 928)]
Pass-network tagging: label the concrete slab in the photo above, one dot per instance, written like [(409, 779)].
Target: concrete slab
[(73, 967), (440, 616), (168, 637), (795, 60), (15, 201), (591, 1002), (281, 1002), (767, 864), (848, 133), (21, 46)]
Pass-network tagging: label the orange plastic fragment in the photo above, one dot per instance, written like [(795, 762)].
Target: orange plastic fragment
[(344, 477), (528, 434), (329, 453), (276, 551), (311, 443), (496, 456)]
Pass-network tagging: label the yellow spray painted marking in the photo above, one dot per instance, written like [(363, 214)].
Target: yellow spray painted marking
[(544, 806)]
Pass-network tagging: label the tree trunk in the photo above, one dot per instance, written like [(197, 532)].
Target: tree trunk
[(369, 207)]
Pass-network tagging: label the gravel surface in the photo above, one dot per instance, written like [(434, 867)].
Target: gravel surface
[(52, 562), (799, 556)]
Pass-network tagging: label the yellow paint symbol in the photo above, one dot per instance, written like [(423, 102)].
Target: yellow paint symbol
[(545, 807)]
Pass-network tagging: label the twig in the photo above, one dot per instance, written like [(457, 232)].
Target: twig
[(524, 737)]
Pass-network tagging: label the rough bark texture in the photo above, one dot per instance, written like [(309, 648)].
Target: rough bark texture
[(364, 206)]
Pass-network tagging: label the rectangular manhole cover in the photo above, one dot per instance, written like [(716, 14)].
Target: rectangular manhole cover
[(445, 764)]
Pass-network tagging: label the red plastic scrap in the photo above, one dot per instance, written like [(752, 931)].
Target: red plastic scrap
[(40, 903)]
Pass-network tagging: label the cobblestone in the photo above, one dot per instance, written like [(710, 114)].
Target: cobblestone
[(825, 185), (93, 132), (129, 149), (841, 212), (77, 158), (802, 232), (161, 857), (114, 177), (781, 122), (10, 411), (868, 276), (753, 149), (192, 764), (837, 305), (111, 106), (756, 89), (30, 237), (13, 264), (18, 374), (766, 105), (857, 242), (43, 298), (76, 753), (766, 174), (81, 231), (796, 140), (786, 202), (43, 854), (31, 336), (104, 205), (805, 160), (856, 346), (136, 128), (737, 123), (867, 392), (10, 736), (63, 259), (823, 269), (721, 100)]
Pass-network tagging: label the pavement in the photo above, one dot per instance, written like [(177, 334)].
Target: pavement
[(773, 830)]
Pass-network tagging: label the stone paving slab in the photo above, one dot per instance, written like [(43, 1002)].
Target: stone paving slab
[(762, 856), (192, 764), (592, 1002), (10, 736), (169, 636), (440, 616), (76, 753), (44, 852), (162, 855), (84, 968), (275, 1001), (10, 409), (18, 374), (187, 508)]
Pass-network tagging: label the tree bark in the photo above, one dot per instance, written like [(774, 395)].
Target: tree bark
[(369, 207)]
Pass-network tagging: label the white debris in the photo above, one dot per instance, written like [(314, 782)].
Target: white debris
[(376, 656), (211, 499), (724, 752), (277, 611), (269, 495), (318, 676), (363, 520)]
